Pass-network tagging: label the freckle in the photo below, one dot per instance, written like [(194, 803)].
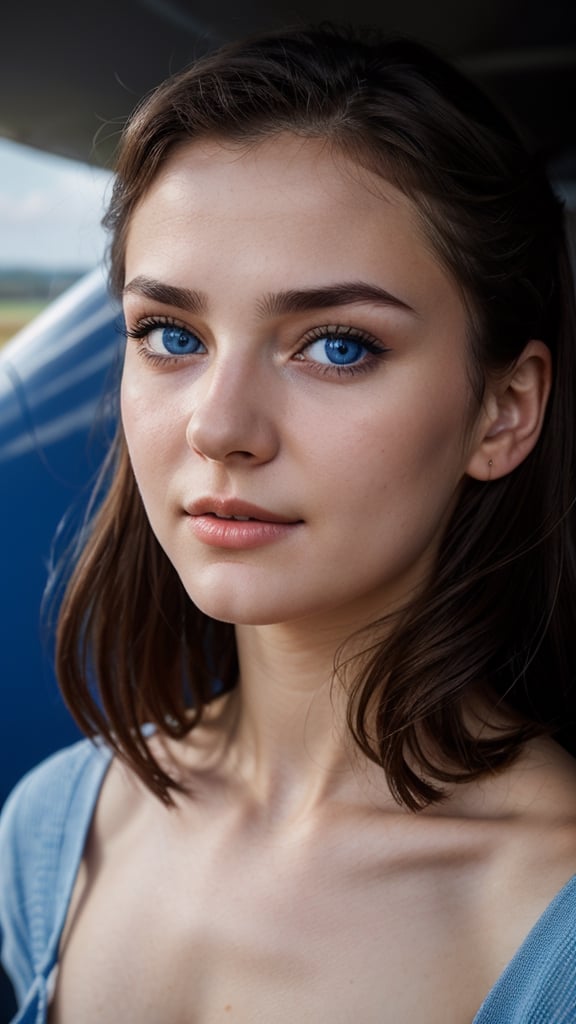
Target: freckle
[(227, 1008)]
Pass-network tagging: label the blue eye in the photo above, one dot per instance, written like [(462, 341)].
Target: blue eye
[(336, 351), (177, 341)]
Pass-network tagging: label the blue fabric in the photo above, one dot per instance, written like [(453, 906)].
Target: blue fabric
[(43, 831), (539, 984)]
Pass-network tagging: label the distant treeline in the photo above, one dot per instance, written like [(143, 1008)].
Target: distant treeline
[(18, 285)]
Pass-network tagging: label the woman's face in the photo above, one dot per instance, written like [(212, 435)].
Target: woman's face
[(296, 356)]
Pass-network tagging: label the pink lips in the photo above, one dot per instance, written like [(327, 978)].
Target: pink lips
[(256, 527)]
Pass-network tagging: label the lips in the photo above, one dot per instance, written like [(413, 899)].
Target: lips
[(236, 510), (234, 525)]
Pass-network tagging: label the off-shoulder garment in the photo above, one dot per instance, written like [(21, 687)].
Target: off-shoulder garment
[(43, 830)]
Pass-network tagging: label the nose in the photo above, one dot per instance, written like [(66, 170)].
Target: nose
[(232, 415)]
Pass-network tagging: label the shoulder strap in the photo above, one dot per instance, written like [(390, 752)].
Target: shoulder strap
[(43, 830), (539, 984)]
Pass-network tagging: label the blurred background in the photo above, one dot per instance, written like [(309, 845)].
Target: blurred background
[(69, 76)]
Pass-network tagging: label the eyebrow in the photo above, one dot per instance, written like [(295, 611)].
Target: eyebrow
[(167, 294), (345, 294), (296, 300)]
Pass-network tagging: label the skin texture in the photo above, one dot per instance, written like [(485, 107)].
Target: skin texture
[(366, 463), (368, 458), (289, 885)]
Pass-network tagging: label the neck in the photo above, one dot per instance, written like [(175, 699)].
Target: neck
[(290, 739)]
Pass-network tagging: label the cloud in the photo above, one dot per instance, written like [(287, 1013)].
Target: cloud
[(50, 209), (26, 209)]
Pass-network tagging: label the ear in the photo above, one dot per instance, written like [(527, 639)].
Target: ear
[(512, 414)]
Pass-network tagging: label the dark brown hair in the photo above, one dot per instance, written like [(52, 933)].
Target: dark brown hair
[(498, 609)]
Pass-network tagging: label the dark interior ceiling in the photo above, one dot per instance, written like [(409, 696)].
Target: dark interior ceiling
[(70, 72)]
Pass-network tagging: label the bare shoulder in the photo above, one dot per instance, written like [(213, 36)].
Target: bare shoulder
[(533, 808), (118, 805), (120, 802), (539, 794), (527, 816), (548, 792), (124, 797)]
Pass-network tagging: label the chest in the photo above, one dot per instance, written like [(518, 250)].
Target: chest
[(258, 933)]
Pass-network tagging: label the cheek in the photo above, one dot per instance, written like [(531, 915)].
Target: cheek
[(415, 441), (435, 419), (151, 430), (401, 472)]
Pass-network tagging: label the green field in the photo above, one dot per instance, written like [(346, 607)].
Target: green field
[(15, 315)]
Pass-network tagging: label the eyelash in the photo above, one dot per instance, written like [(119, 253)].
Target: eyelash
[(375, 349), (143, 328)]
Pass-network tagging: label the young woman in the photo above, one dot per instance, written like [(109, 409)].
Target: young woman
[(323, 629)]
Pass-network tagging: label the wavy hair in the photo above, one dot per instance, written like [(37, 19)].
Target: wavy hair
[(498, 609)]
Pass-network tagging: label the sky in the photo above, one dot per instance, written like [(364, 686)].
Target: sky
[(50, 210)]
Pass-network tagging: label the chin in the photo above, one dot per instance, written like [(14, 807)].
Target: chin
[(240, 606), (246, 615)]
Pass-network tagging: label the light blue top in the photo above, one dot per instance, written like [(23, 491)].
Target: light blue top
[(43, 830)]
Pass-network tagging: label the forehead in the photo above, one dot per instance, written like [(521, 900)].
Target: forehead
[(281, 167), (213, 180), (287, 209)]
